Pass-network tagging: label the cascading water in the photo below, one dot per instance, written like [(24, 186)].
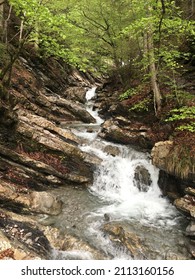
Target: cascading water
[(125, 191)]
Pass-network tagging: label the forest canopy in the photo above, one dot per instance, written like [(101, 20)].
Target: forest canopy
[(151, 40)]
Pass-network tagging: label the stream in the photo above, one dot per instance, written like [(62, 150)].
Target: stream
[(125, 192)]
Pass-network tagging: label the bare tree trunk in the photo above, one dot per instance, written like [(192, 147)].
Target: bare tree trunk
[(152, 66), (5, 28), (1, 19), (21, 30), (153, 74)]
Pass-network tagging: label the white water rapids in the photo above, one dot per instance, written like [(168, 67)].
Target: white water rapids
[(117, 196), (114, 181)]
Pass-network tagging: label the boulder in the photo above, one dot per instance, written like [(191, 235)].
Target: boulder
[(112, 150), (46, 203), (126, 239), (186, 205), (135, 134), (160, 152), (142, 178), (174, 159), (75, 108), (65, 245)]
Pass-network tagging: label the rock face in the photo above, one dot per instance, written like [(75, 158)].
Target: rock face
[(36, 154), (22, 239)]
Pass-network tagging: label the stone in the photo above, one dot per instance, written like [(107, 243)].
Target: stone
[(46, 203), (63, 242), (173, 159), (190, 191), (112, 150), (32, 119), (75, 93), (160, 152), (74, 108), (122, 237), (190, 230), (173, 256), (192, 249), (186, 205), (11, 199), (142, 178), (134, 134), (25, 235)]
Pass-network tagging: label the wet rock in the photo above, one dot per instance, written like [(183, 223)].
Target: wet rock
[(25, 168), (27, 235), (186, 205), (142, 178), (44, 124), (173, 256), (190, 230), (12, 200), (68, 154), (74, 108), (192, 249), (190, 191), (76, 94), (129, 240), (135, 134), (63, 243), (44, 202), (92, 159), (112, 150)]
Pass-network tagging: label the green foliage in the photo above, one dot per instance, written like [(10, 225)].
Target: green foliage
[(141, 106), (184, 114), (100, 35), (189, 127), (128, 93)]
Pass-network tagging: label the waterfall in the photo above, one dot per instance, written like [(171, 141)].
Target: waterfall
[(125, 191), (115, 182)]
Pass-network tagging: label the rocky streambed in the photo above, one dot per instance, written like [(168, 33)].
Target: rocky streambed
[(63, 190)]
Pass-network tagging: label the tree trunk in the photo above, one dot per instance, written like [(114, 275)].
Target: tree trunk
[(153, 74), (5, 27), (1, 19), (152, 67)]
